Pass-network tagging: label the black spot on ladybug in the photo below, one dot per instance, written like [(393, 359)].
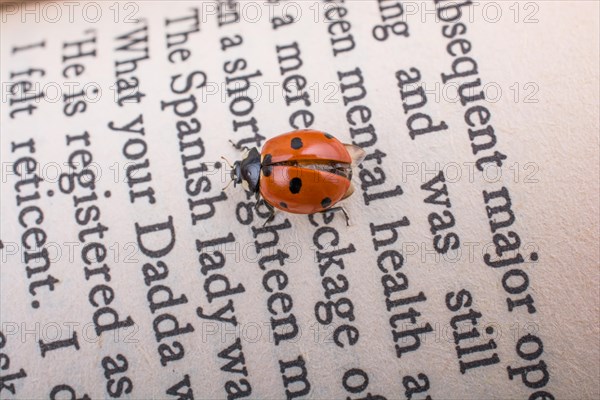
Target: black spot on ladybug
[(283, 204), (295, 185), (296, 143), (328, 136), (266, 170), (267, 159), (326, 202)]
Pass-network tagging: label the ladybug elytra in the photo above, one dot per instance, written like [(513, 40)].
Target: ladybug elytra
[(301, 172)]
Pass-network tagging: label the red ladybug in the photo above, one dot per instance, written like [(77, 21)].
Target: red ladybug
[(301, 172)]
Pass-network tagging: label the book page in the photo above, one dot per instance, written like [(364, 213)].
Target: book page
[(469, 268)]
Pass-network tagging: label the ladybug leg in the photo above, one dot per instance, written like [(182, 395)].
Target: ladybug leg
[(270, 208), (258, 203), (343, 210), (271, 214)]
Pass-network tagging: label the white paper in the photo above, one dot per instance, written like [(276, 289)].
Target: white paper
[(533, 320)]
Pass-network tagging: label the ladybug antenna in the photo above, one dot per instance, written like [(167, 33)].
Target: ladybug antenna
[(227, 161), (226, 186), (232, 168)]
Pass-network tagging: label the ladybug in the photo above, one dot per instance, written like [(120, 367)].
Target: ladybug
[(300, 172)]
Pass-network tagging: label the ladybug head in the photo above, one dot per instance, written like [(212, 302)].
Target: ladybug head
[(236, 173), (247, 171)]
